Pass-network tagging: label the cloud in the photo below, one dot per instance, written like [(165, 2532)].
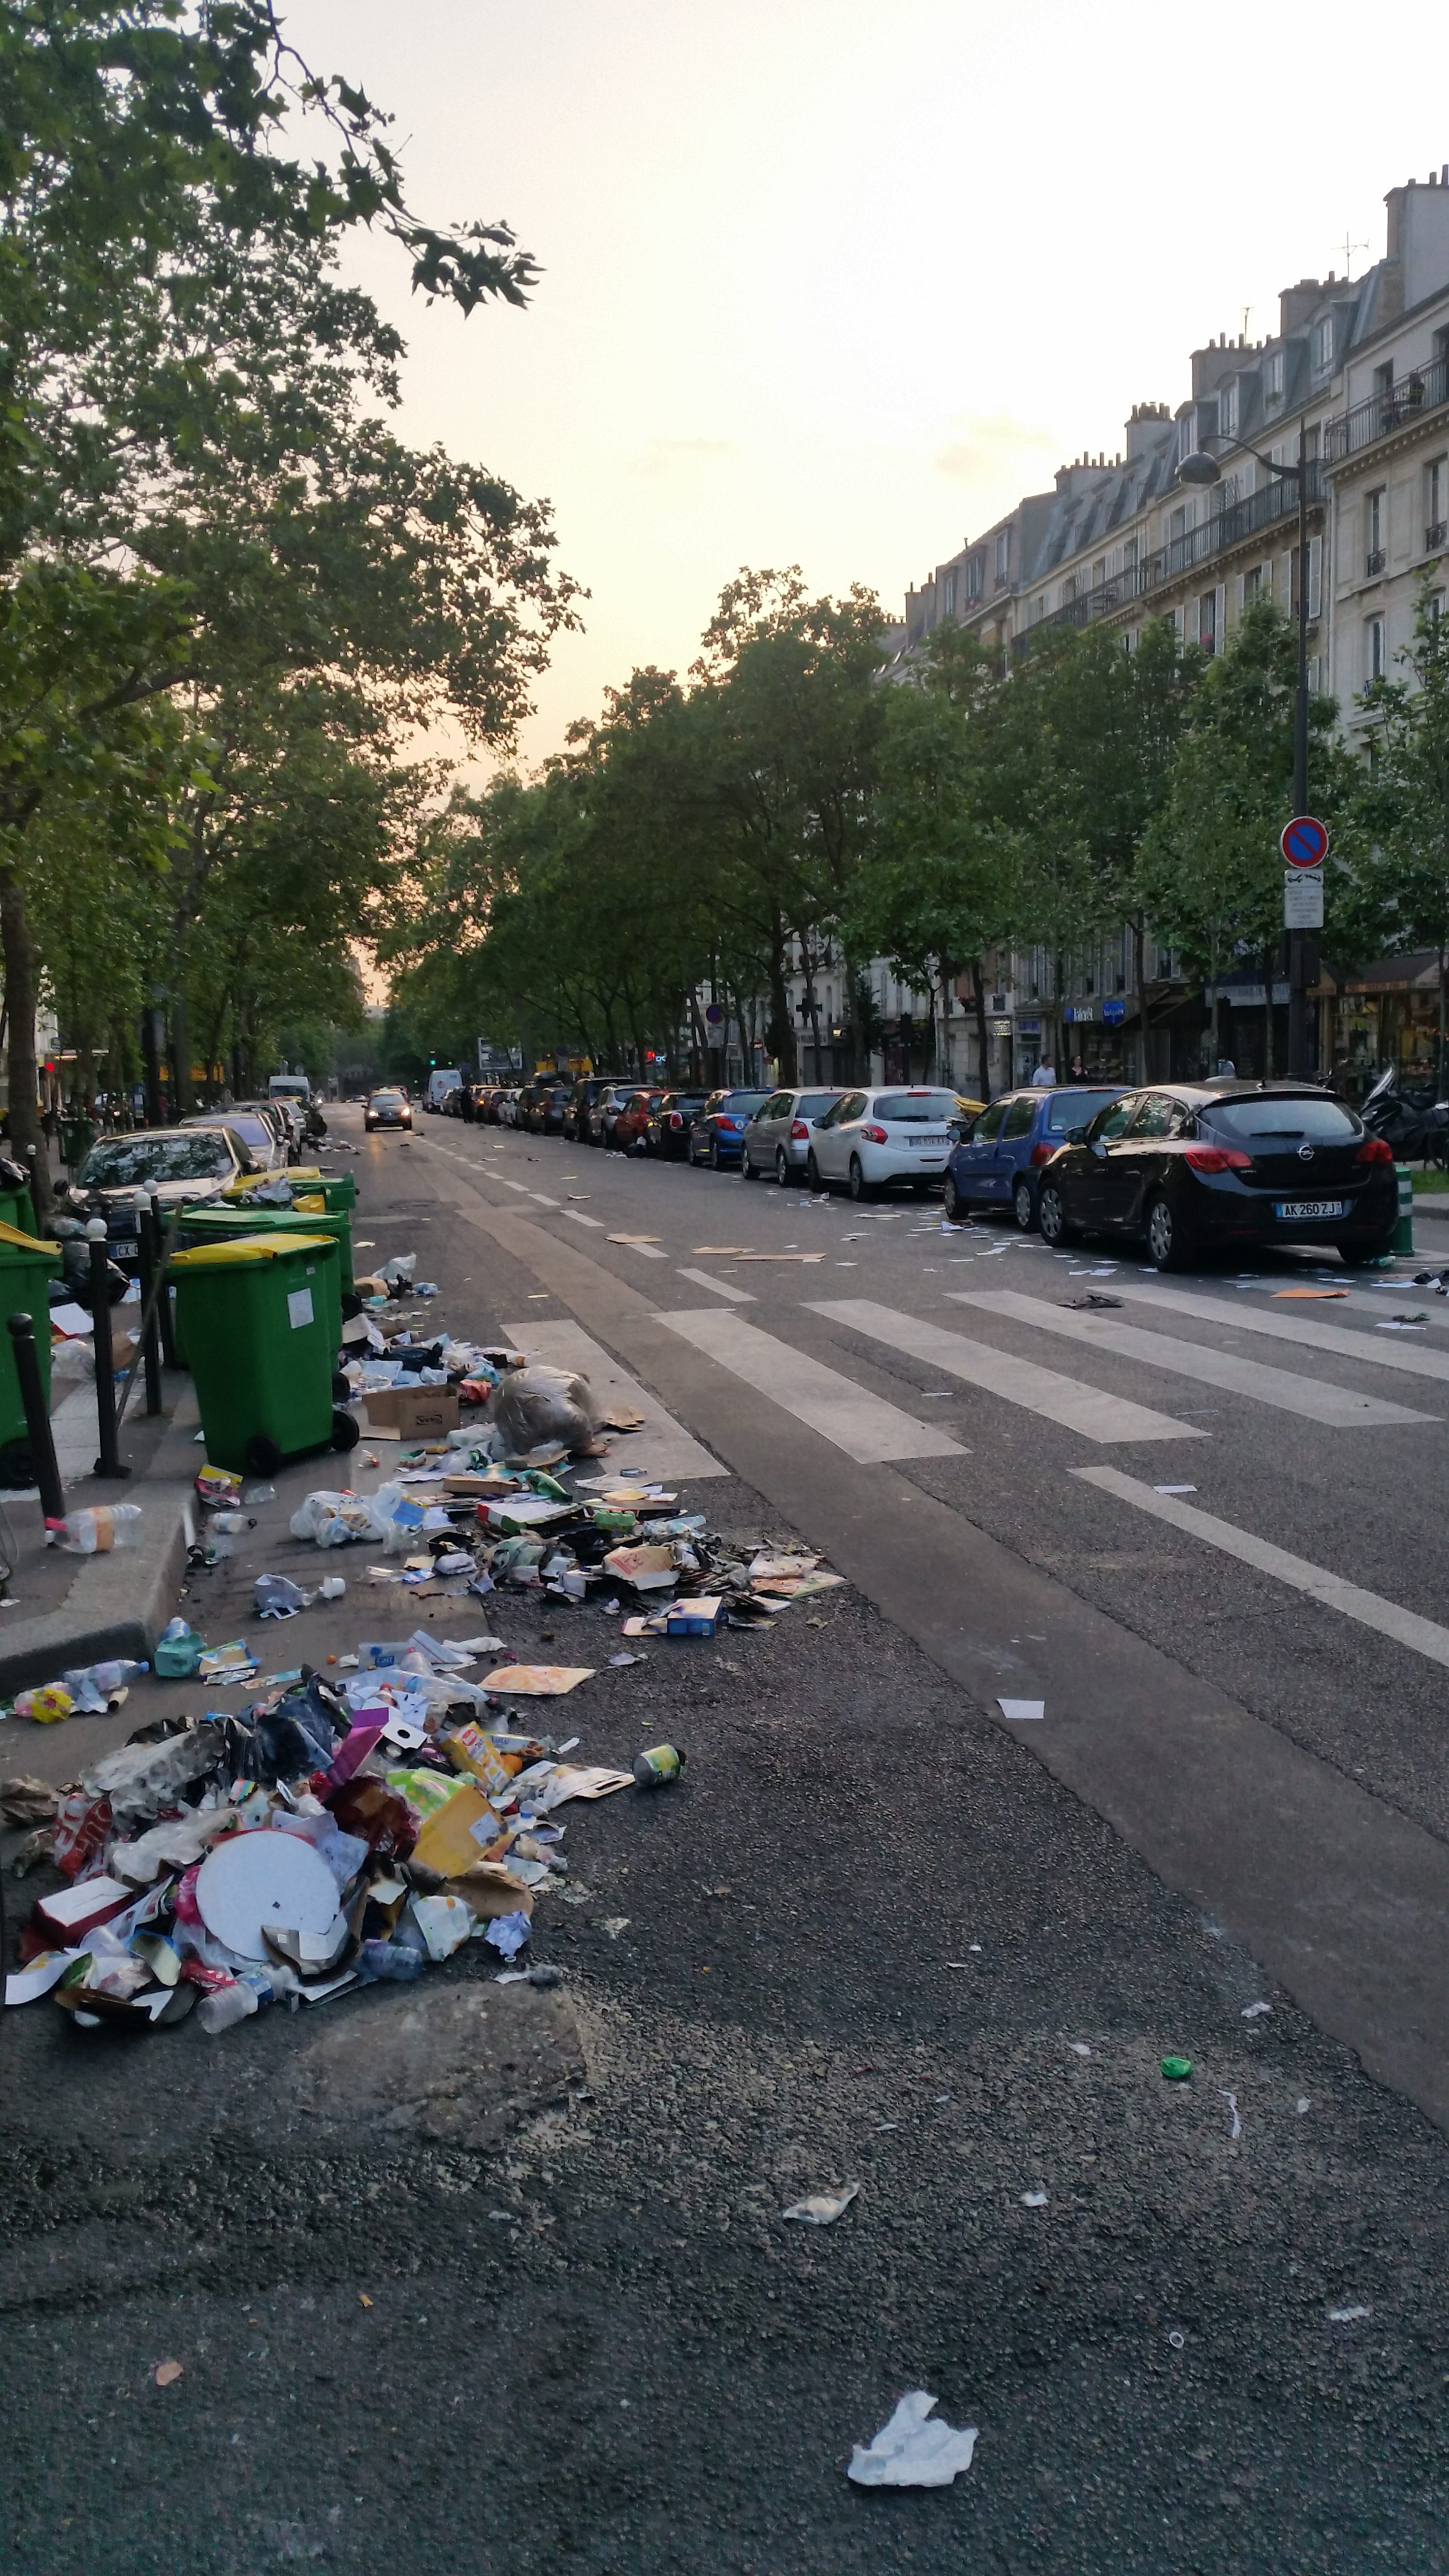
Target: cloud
[(986, 445)]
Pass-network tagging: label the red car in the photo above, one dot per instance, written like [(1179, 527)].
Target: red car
[(631, 1127)]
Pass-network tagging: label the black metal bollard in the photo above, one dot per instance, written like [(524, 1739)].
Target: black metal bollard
[(163, 1304), (149, 1251), (37, 1417), (108, 1462)]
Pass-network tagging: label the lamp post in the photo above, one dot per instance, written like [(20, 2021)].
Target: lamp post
[(1200, 470)]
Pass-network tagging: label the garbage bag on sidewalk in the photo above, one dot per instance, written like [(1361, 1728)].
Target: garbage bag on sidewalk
[(535, 1406)]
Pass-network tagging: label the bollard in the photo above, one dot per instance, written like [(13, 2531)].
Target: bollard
[(108, 1463), (164, 1315), (149, 1249), (1404, 1230), (37, 1417)]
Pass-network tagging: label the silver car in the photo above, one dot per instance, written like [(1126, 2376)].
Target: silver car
[(777, 1138)]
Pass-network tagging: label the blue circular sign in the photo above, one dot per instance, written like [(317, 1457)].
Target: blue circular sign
[(1304, 842)]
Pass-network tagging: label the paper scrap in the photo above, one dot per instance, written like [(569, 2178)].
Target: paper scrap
[(538, 1681), (1019, 1710), (822, 2208), (166, 2373), (909, 2451)]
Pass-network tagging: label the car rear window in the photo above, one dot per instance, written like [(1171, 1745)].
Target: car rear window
[(915, 1108), (738, 1100), (813, 1104), (1270, 1122), (1074, 1108)]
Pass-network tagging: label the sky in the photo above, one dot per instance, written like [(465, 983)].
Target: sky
[(834, 282)]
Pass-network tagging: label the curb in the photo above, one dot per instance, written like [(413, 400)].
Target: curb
[(117, 1605)]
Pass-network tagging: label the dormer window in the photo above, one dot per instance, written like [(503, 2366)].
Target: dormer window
[(1228, 410), (1323, 343), (1273, 377)]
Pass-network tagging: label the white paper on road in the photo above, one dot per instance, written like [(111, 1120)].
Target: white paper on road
[(867, 1428), (661, 1451), (1020, 1710), (1098, 1417), (913, 2451), (1337, 1408), (1370, 1609)]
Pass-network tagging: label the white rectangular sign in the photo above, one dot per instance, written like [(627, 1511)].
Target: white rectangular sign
[(1303, 898)]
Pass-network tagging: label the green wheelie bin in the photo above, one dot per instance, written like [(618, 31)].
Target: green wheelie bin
[(17, 1209), (238, 1221), (337, 1190), (258, 1314), (26, 1270)]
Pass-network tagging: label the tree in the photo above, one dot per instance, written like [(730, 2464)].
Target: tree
[(1403, 807)]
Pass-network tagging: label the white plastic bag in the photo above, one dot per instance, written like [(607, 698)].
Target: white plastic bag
[(536, 1405)]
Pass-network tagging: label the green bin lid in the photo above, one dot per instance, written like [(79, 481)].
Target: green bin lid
[(246, 1247)]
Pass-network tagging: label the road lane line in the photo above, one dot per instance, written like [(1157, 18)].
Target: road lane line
[(1370, 1609), (576, 1216), (720, 1288), (1409, 1358), (662, 1449), (867, 1428), (1097, 1416), (1338, 1408), (541, 1200)]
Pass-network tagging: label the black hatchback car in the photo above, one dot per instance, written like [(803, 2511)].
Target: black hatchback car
[(1202, 1167), (580, 1101)]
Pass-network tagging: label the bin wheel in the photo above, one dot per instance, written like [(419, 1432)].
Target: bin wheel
[(263, 1455), (345, 1430), (341, 1387)]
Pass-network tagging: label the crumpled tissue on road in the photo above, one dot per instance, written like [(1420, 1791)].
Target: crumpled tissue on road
[(914, 2449)]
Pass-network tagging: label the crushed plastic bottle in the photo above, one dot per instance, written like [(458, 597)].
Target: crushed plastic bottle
[(95, 1532), (93, 1686), (225, 2005)]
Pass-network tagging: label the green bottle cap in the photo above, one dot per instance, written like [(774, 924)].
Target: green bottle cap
[(1178, 2070)]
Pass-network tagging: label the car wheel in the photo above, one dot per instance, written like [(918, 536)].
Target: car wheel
[(860, 1187), (1051, 1215), (1023, 1206), (713, 1155), (747, 1169), (1357, 1256), (1167, 1239), (813, 1180), (782, 1168), (955, 1206)]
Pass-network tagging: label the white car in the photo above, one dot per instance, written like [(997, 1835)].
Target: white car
[(871, 1138)]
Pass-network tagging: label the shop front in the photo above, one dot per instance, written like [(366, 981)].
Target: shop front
[(1386, 1015), (1098, 1033)]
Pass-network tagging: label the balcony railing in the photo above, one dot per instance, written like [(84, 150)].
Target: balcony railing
[(1220, 530), (1393, 407)]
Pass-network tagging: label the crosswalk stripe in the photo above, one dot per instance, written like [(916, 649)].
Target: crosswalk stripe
[(1411, 1359), (1339, 1408), (1097, 1416), (1371, 1610), (867, 1428), (662, 1449), (720, 1287)]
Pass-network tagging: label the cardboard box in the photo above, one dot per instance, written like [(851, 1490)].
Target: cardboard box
[(413, 1412), (457, 1833)]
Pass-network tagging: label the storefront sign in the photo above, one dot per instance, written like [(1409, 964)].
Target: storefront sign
[(1028, 1028), (1114, 1013), (1080, 1012), (999, 1028)]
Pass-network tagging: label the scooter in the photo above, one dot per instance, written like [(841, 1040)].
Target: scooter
[(1417, 1129)]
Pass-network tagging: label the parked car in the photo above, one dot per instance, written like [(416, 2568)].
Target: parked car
[(871, 1139), (269, 1151), (181, 1165), (999, 1162), (777, 1138), (1198, 1167), (547, 1101), (506, 1111), (631, 1123), (387, 1109), (671, 1119), (580, 1101), (715, 1136), (600, 1118)]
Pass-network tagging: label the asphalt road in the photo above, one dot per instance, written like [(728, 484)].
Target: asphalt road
[(543, 2311)]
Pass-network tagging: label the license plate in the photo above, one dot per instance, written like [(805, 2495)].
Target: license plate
[(932, 1144), (1304, 1211), (124, 1251)]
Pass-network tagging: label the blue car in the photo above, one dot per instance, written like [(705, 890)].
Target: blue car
[(1000, 1163)]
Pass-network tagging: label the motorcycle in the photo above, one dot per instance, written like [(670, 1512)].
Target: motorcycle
[(1413, 1123)]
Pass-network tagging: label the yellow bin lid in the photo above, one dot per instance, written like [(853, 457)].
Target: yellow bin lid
[(249, 1247), (246, 1182), (28, 1242)]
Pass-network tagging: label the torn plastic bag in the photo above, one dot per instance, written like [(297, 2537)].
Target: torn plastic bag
[(334, 1519), (535, 1406), (278, 1597), (300, 1735)]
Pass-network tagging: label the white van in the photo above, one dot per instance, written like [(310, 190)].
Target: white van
[(289, 1086), (442, 1080)]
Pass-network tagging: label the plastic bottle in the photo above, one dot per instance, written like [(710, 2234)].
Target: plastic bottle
[(224, 2005), (232, 1524), (95, 1532)]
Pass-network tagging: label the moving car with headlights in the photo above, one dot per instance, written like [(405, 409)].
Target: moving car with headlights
[(872, 1140), (717, 1133), (387, 1109), (180, 1166), (777, 1139), (1204, 1167), (999, 1162), (670, 1121)]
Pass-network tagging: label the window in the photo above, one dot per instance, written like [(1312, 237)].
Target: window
[(948, 593), (1070, 1108), (1273, 379), (1099, 572), (1373, 651), (1252, 583), (1434, 502), (1113, 1122), (1019, 1117), (1315, 576), (1129, 555), (1323, 343), (1158, 1116), (1436, 606), (988, 1125), (1228, 410), (975, 574), (1003, 553), (1210, 621), (1375, 522)]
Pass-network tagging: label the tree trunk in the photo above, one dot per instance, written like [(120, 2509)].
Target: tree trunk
[(1139, 973), (27, 1136), (1439, 1085), (182, 1098), (780, 1036)]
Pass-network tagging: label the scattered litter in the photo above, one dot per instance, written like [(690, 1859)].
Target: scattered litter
[(1231, 2100), (1033, 2200), (911, 2451), (822, 2208), (658, 1765), (1079, 2048), (1174, 1489), (1347, 2316), (1302, 2104), (1176, 2338), (614, 1924), (1020, 1710), (1093, 1297), (1254, 2012), (1178, 2070), (1310, 1292), (166, 2373)]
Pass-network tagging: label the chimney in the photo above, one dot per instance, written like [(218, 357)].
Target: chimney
[(1144, 430), (1296, 304), (1418, 244)]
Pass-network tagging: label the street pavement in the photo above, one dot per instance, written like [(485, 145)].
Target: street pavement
[(878, 1934)]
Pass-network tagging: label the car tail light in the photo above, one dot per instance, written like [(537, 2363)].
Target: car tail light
[(1041, 1154), (1218, 1158), (799, 1127), (875, 1135), (730, 1122), (1374, 1149), (674, 1118)]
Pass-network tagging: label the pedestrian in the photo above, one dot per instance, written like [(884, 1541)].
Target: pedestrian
[(1226, 1067), (1045, 1076), (1079, 1071)]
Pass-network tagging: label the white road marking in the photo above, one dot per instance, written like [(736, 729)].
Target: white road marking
[(867, 1428), (542, 1201), (576, 1216), (1370, 1609), (662, 1450), (1293, 1328), (720, 1287), (1339, 1408), (1104, 1418), (646, 1251)]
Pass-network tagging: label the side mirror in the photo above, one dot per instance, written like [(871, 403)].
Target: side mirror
[(1075, 1136)]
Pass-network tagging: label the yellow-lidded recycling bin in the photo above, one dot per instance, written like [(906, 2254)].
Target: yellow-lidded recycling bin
[(257, 1315), (338, 1190), (26, 1270), (217, 1224)]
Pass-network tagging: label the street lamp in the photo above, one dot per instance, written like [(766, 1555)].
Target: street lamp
[(1200, 470)]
